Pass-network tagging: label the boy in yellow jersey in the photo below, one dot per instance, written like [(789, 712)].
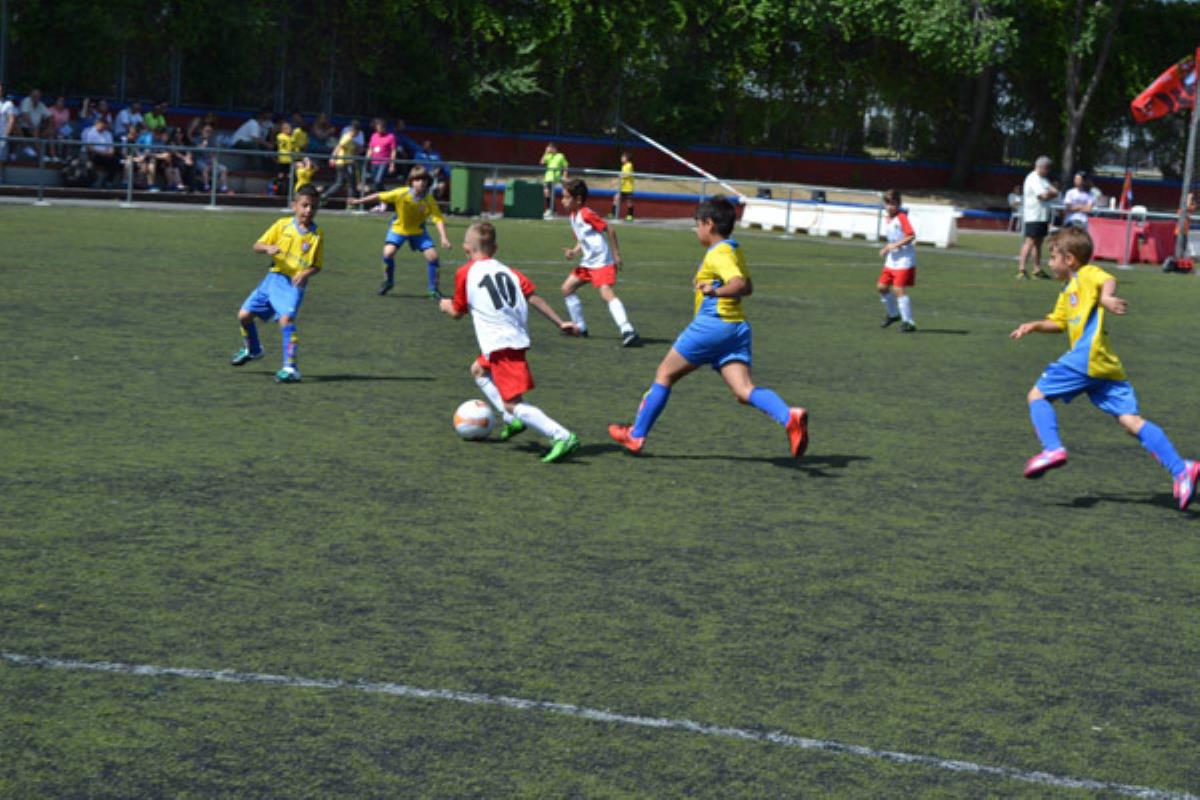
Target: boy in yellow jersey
[(624, 189), (284, 147), (342, 160), (1090, 365), (296, 248), (305, 170), (414, 205), (556, 172), (718, 336)]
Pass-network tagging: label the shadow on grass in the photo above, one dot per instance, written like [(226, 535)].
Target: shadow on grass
[(341, 377), (814, 465), (1161, 499), (944, 331)]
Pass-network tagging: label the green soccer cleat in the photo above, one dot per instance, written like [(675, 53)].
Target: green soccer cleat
[(244, 355), (288, 375), (561, 449), (434, 294), (511, 429)]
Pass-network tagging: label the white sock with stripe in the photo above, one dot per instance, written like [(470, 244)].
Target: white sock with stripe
[(575, 309), (889, 303), (906, 308), (535, 418), (493, 395), (617, 309)]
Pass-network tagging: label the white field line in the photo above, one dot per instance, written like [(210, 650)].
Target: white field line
[(599, 715)]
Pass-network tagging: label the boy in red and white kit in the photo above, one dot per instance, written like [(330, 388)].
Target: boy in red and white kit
[(499, 298), (899, 265), (599, 259)]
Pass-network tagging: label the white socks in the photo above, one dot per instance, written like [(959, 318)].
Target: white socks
[(617, 309), (575, 309), (493, 395), (535, 418), (906, 308), (889, 302)]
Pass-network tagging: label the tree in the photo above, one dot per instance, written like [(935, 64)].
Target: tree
[(1091, 34)]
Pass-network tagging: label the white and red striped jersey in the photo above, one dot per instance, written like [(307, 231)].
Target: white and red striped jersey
[(894, 230), (495, 295), (589, 231)]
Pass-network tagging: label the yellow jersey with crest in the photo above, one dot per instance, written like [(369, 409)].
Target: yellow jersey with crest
[(1079, 311), (299, 249), (723, 261), (411, 210)]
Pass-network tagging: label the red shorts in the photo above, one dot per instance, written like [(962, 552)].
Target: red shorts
[(898, 277), (597, 276), (510, 372)]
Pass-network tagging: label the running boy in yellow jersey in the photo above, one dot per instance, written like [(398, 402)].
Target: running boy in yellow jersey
[(1090, 365), (296, 248), (624, 189), (414, 205), (284, 147), (718, 336)]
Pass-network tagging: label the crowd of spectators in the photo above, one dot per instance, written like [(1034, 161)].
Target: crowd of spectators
[(140, 142)]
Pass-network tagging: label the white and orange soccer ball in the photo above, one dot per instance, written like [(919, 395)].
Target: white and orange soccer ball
[(474, 420)]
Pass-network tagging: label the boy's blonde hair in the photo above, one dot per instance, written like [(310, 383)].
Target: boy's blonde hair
[(484, 236), (419, 173), (1072, 241)]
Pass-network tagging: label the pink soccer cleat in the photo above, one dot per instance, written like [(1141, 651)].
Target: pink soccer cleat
[(797, 431), (1044, 461), (621, 435), (1185, 484)]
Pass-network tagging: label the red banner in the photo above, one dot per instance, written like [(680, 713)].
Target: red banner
[(1172, 91)]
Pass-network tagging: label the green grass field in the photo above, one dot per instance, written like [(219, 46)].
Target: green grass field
[(901, 589)]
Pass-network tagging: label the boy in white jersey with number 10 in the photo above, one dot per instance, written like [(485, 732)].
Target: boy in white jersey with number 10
[(899, 264), (599, 259), (498, 298)]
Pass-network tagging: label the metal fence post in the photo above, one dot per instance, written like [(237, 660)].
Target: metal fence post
[(41, 198), (291, 179), (128, 182), (215, 166), (787, 217)]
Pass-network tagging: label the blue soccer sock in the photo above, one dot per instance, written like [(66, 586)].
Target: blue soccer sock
[(1155, 440), (250, 337), (652, 405), (432, 269), (389, 268), (289, 344), (770, 404), (1045, 422)]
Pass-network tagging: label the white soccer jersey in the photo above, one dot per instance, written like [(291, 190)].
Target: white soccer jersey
[(589, 232), (496, 297), (894, 230)]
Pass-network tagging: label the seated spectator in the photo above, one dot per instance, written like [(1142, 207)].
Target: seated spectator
[(126, 118), (179, 163), (135, 159), (91, 111), (432, 161), (323, 134), (8, 123), (60, 122), (156, 118), (197, 125), (299, 134), (98, 146), (407, 147), (252, 135), (33, 120), (207, 169)]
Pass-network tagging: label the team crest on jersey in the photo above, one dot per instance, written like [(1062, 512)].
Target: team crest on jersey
[(305, 247), (1074, 299)]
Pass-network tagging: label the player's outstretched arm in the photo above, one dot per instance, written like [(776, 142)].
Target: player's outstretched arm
[(263, 247), (546, 311), (1036, 326), (358, 201), (301, 278), (446, 306), (612, 243), (441, 227), (1109, 299)]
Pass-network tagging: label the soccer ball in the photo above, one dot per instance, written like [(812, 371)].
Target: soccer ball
[(473, 420)]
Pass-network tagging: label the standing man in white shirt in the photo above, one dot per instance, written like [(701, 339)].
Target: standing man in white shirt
[(1078, 202), (1036, 214), (8, 123)]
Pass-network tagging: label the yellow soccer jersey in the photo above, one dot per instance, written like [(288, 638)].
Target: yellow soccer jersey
[(722, 262), (627, 178), (411, 211), (284, 144), (298, 249), (304, 175), (1079, 311), (299, 140), (346, 147)]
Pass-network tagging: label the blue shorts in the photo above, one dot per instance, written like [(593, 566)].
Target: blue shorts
[(274, 297), (1060, 382), (709, 340), (420, 242)]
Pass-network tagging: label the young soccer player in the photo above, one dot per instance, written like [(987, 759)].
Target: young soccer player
[(284, 146), (718, 336), (296, 248), (414, 205), (499, 298), (899, 264), (305, 170), (599, 259), (1090, 365), (624, 189)]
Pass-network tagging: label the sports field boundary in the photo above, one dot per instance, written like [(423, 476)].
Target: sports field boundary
[(596, 715)]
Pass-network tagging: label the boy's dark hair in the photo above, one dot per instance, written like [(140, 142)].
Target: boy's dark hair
[(308, 190), (721, 211), (892, 197), (419, 173), (1074, 241), (577, 188), (485, 236)]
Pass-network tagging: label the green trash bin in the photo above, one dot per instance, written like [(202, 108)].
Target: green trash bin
[(523, 200), (466, 190)]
